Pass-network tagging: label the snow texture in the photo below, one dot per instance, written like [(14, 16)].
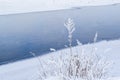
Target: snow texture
[(23, 6)]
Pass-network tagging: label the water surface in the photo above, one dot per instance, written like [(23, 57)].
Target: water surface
[(39, 31)]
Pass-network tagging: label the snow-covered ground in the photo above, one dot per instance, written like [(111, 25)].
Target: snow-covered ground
[(23, 6), (28, 69)]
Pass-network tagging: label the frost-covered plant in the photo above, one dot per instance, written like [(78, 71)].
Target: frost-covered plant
[(74, 65), (83, 66), (70, 26)]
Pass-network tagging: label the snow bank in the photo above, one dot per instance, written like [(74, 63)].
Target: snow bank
[(28, 69), (23, 6)]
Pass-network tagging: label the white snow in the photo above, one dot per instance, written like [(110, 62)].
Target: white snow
[(23, 6), (28, 69)]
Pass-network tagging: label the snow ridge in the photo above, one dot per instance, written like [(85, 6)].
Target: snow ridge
[(24, 6)]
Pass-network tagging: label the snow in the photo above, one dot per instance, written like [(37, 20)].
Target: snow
[(28, 69), (115, 78), (23, 6)]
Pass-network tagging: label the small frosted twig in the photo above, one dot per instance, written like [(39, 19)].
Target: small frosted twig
[(95, 38), (79, 43)]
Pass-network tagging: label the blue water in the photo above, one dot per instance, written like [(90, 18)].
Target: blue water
[(37, 32)]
